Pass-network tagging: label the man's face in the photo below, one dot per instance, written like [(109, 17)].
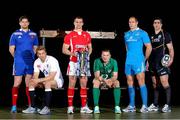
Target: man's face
[(24, 23), (78, 23), (157, 24), (133, 23), (41, 54), (105, 56)]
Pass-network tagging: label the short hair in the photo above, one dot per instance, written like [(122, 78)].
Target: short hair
[(23, 17), (78, 17), (106, 50), (158, 18), (40, 48), (134, 18)]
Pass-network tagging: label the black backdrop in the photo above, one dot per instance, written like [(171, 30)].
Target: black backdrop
[(102, 16)]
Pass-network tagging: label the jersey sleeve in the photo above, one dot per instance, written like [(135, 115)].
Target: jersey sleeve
[(115, 66), (12, 40), (67, 39), (168, 38), (36, 69), (96, 66), (145, 37)]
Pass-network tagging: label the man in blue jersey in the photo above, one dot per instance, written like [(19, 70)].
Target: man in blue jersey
[(22, 46), (135, 38)]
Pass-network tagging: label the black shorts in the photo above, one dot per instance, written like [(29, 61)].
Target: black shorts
[(159, 70)]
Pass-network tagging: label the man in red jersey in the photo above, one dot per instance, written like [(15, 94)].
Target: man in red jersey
[(75, 43)]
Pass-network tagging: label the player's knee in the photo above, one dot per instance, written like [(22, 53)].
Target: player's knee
[(47, 84), (96, 83), (117, 83)]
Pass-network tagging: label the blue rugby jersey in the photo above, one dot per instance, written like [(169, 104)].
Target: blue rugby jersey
[(134, 41)]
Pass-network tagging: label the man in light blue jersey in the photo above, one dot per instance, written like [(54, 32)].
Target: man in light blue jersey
[(22, 46), (135, 39)]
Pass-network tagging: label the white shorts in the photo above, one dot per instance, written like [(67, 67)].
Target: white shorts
[(72, 68), (59, 82)]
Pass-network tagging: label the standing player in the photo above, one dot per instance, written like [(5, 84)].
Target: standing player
[(160, 74), (135, 62), (75, 42), (22, 46)]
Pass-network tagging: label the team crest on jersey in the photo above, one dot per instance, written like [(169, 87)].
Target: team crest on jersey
[(159, 36), (109, 71), (19, 37)]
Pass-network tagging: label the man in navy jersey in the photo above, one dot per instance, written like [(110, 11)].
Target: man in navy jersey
[(22, 46), (160, 41)]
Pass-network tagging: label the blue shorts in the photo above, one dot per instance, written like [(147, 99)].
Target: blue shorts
[(20, 69), (133, 69)]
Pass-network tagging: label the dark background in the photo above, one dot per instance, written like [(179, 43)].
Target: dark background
[(98, 16)]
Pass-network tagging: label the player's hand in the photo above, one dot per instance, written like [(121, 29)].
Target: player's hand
[(170, 63), (147, 65)]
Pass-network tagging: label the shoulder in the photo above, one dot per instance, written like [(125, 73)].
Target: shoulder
[(113, 60), (97, 60), (51, 59), (32, 33), (17, 32), (142, 31), (37, 61)]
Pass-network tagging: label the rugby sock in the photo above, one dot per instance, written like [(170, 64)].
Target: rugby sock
[(70, 95), (32, 96), (14, 95), (28, 96), (156, 96), (143, 91), (83, 94), (131, 95), (96, 94), (48, 94), (117, 95), (168, 95)]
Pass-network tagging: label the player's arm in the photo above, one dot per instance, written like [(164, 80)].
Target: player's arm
[(35, 75), (48, 78), (12, 49), (97, 75), (115, 76), (171, 52), (66, 51), (148, 50), (89, 48), (34, 48)]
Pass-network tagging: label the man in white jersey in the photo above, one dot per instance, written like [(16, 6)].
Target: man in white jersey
[(53, 79)]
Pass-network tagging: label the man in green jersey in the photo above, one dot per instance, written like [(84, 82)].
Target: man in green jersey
[(106, 72)]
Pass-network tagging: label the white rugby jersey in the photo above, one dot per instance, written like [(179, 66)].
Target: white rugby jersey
[(49, 65)]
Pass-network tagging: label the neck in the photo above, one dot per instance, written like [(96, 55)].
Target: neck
[(25, 29), (78, 30), (157, 31)]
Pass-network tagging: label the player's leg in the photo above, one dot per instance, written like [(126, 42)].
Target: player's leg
[(83, 94), (154, 106), (17, 82), (28, 77), (130, 81), (32, 95), (96, 94), (117, 95), (71, 72), (139, 69), (18, 72), (167, 88), (48, 94)]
